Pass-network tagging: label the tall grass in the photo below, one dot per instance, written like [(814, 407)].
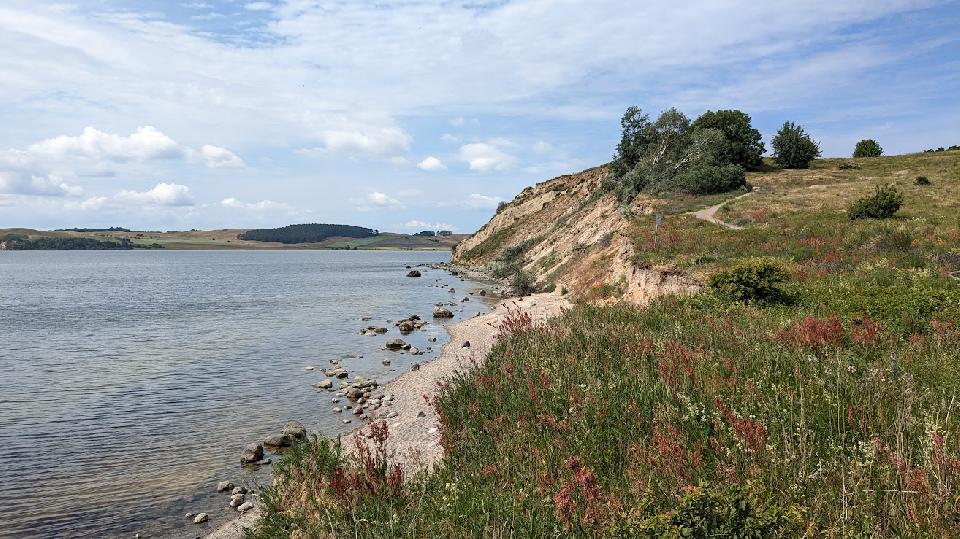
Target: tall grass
[(691, 417)]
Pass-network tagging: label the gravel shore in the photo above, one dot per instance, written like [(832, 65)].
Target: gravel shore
[(414, 435)]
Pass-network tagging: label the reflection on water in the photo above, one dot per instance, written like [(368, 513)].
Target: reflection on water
[(132, 379)]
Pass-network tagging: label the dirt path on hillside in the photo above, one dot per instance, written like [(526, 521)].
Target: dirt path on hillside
[(710, 214)]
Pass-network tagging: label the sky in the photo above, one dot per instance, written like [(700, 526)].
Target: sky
[(412, 115)]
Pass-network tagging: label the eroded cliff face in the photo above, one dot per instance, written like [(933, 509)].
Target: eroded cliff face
[(577, 238)]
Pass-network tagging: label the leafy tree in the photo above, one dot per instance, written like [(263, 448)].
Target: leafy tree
[(634, 125), (745, 143), (885, 202), (793, 147), (868, 148), (669, 155)]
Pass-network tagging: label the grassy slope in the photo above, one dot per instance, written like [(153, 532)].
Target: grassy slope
[(227, 239), (835, 415)]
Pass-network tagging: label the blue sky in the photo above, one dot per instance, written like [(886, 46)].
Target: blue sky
[(406, 115)]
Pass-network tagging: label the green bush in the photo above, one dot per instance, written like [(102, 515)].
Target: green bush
[(523, 283), (755, 281), (724, 512), (921, 180), (793, 147), (745, 144), (707, 180), (885, 202), (868, 148)]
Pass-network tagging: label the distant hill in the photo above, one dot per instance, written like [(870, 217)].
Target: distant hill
[(56, 243), (306, 233), (345, 238)]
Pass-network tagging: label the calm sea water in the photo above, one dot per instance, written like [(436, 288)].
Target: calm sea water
[(131, 380)]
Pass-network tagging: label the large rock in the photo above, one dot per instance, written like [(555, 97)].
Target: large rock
[(371, 331), (324, 384), (413, 273), (442, 312), (278, 440), (294, 429), (397, 344), (200, 518), (338, 372), (245, 506), (406, 327), (252, 453), (224, 486)]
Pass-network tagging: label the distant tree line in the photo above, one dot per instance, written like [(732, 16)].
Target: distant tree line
[(942, 149), (53, 243), (111, 229), (306, 233)]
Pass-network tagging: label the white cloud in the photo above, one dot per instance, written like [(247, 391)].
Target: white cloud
[(382, 200), (483, 156), (423, 225), (431, 164), (448, 137), (542, 146), (263, 205), (164, 194), (482, 201), (89, 204), (18, 182), (383, 141), (146, 143), (217, 157), (258, 6)]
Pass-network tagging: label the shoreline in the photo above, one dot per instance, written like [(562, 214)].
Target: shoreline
[(414, 436)]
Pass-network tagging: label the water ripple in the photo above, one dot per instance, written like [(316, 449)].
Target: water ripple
[(131, 380)]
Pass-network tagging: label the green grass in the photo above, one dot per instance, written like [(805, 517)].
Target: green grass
[(831, 414), (617, 420)]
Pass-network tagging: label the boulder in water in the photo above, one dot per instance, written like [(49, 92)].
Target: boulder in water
[(252, 453), (294, 429)]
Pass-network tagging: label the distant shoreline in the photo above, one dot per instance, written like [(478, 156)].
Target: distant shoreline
[(15, 239)]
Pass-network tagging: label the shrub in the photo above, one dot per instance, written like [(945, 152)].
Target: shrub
[(868, 148), (523, 283), (724, 512), (745, 144), (755, 281), (847, 165), (921, 180), (793, 147), (885, 202), (707, 180)]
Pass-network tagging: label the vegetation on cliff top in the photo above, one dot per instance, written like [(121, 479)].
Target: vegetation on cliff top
[(672, 154)]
